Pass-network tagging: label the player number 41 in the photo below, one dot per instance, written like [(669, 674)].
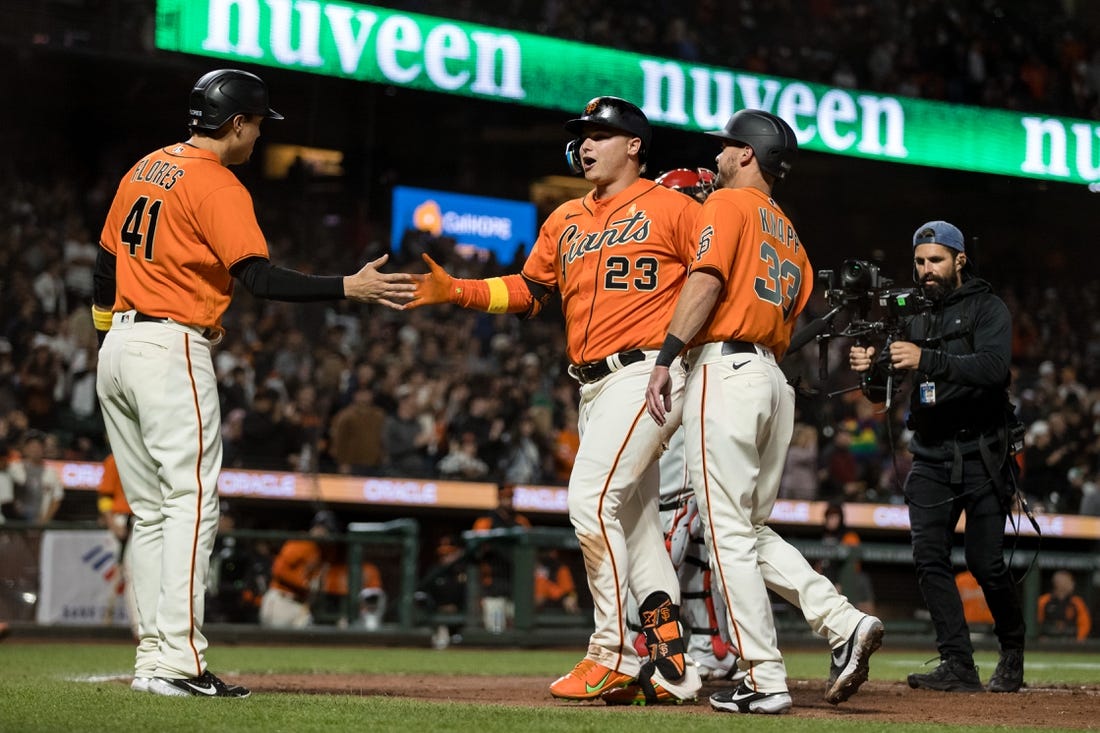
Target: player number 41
[(136, 232)]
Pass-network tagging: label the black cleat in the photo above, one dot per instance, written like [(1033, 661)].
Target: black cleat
[(205, 685), (848, 666)]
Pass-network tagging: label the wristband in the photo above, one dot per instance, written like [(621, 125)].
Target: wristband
[(670, 349), (101, 318)]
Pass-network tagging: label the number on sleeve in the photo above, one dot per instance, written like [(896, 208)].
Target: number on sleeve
[(132, 234)]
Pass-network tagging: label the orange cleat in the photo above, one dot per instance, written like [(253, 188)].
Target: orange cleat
[(588, 680), (633, 694)]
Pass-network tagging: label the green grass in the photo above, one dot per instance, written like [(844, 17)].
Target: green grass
[(51, 687)]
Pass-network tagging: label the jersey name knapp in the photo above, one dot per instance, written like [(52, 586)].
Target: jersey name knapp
[(744, 237), (164, 203), (619, 264)]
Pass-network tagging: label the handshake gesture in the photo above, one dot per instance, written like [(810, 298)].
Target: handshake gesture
[(398, 290)]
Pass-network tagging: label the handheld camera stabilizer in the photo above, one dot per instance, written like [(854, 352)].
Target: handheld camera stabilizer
[(875, 309)]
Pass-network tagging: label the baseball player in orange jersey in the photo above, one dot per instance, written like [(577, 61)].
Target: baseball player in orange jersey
[(619, 257), (180, 229), (750, 280)]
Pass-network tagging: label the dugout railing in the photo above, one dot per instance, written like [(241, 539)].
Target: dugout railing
[(399, 541)]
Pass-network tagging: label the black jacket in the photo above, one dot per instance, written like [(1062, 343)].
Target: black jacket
[(966, 343)]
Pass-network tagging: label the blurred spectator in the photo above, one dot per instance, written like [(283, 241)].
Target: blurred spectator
[(37, 487), (835, 534), (566, 442), (497, 606), (554, 586), (406, 438), (238, 575), (357, 435), (267, 441), (296, 577), (116, 516), (975, 609), (1063, 613), (39, 379), (800, 474), (523, 452), (461, 462), (7, 486)]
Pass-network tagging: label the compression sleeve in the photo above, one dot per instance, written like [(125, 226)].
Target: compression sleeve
[(265, 280), (508, 294), (103, 280)]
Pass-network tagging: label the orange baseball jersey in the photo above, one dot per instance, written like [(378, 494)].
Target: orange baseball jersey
[(295, 567), (744, 237), (619, 265), (174, 241), (110, 486), (336, 578)]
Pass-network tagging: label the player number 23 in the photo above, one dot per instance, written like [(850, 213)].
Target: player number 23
[(620, 275), (783, 280), (136, 231)]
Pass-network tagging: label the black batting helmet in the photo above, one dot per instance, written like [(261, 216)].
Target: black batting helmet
[(772, 140), (219, 95), (615, 113)]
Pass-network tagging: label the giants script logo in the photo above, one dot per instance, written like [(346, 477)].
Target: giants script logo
[(576, 243)]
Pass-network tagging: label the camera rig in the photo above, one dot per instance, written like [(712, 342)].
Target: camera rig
[(876, 309)]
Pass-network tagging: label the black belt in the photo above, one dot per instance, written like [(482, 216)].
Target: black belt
[(140, 317), (594, 371), (738, 347)]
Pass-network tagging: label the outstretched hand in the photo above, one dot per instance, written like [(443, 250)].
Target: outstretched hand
[(371, 286), (658, 394), (434, 287)]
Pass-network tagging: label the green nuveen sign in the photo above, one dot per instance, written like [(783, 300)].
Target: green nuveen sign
[(386, 46)]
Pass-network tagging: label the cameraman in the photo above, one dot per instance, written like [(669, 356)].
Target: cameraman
[(958, 351)]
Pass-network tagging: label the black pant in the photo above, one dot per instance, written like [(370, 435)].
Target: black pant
[(934, 509)]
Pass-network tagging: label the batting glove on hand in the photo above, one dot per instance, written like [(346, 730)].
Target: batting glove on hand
[(435, 287)]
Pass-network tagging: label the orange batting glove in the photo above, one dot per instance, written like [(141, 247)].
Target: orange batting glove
[(435, 287)]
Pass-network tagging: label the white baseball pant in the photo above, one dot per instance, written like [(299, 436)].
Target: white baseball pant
[(613, 494), (159, 396), (738, 418)]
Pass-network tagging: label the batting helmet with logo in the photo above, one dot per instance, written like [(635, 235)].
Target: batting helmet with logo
[(698, 183), (613, 112), (772, 140), (219, 95)]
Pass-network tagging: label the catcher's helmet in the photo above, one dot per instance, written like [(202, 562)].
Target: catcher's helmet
[(221, 94), (772, 140), (698, 183), (612, 112)]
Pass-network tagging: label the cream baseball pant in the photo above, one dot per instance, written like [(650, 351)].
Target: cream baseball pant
[(613, 495), (159, 397), (739, 416), (281, 610)]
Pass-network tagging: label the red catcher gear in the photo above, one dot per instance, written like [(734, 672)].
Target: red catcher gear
[(698, 183)]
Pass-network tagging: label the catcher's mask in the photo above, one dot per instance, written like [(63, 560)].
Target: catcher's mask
[(611, 112)]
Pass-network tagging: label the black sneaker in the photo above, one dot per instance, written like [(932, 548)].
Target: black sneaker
[(848, 666), (1009, 675), (744, 699), (953, 675), (205, 685)]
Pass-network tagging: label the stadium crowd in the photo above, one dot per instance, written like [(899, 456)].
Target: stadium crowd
[(451, 393)]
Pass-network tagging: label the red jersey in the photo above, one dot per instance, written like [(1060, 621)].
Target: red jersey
[(619, 264), (179, 221), (746, 241)]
